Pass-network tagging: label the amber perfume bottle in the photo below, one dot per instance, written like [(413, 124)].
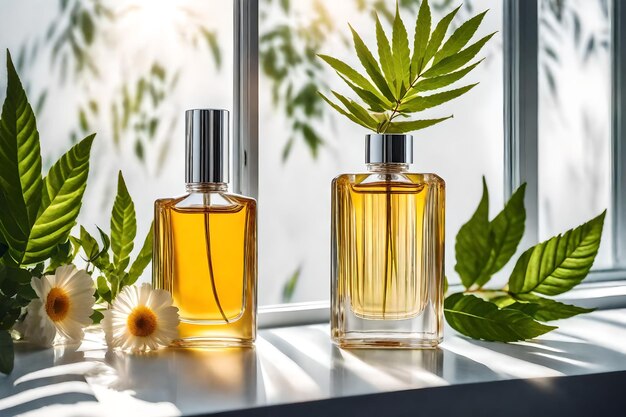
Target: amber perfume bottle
[(205, 244), (387, 251)]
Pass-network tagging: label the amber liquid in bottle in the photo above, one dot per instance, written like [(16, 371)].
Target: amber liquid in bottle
[(387, 258), (205, 255)]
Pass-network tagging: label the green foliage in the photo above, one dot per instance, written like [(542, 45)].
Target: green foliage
[(516, 312), (398, 79), (110, 262), (290, 286), (560, 263), (484, 247), (480, 319), (37, 213)]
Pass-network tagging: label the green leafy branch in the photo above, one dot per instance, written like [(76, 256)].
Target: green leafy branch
[(519, 310), (38, 213), (398, 79), (112, 260)]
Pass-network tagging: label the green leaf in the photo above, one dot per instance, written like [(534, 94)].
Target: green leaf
[(384, 53), (96, 317), (473, 243), (7, 356), (290, 286), (443, 80), (421, 103), (371, 66), (480, 319), (507, 231), (420, 41), (3, 249), (413, 125), (89, 244), (375, 104), (457, 60), (353, 76), (62, 196), (358, 111), (103, 289), (343, 112), (143, 259), (545, 309), (20, 166), (459, 38), (123, 226), (560, 263), (437, 36), (401, 54)]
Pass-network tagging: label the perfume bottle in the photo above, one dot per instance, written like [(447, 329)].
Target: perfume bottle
[(205, 249), (387, 245)]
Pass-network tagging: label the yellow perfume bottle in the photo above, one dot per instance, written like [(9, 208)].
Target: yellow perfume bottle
[(387, 251), (205, 243)]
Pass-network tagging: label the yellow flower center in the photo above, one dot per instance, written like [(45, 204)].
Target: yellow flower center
[(142, 321), (57, 304)]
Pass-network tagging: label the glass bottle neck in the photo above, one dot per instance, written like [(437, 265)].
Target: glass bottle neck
[(206, 187), (388, 167)]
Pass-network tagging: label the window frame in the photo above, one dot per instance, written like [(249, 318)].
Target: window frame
[(520, 55)]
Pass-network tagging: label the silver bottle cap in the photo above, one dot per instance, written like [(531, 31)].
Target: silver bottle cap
[(388, 148), (206, 146)]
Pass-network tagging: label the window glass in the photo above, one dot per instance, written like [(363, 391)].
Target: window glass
[(575, 117), (126, 69), (303, 144)]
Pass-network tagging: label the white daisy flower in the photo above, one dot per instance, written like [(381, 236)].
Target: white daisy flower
[(141, 318), (63, 307)]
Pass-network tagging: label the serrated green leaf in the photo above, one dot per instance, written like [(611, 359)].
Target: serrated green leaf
[(480, 319), (459, 38), (353, 76), (89, 244), (420, 41), (62, 195), (507, 230), (375, 104), (421, 103), (401, 54), (384, 53), (143, 259), (559, 264), (435, 83), (343, 112), (413, 125), (456, 61), (371, 66), (20, 166), (437, 36), (545, 309), (358, 111), (7, 355), (123, 225), (473, 243)]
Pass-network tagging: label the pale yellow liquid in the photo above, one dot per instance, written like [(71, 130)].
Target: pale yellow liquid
[(380, 240)]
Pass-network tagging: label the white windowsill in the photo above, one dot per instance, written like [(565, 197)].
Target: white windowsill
[(293, 365)]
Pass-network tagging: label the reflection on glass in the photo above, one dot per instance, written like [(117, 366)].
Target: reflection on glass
[(574, 117)]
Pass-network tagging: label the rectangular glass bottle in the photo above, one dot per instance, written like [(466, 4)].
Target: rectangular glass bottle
[(205, 245), (387, 252)]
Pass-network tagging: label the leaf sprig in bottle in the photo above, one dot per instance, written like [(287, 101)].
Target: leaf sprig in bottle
[(399, 82)]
